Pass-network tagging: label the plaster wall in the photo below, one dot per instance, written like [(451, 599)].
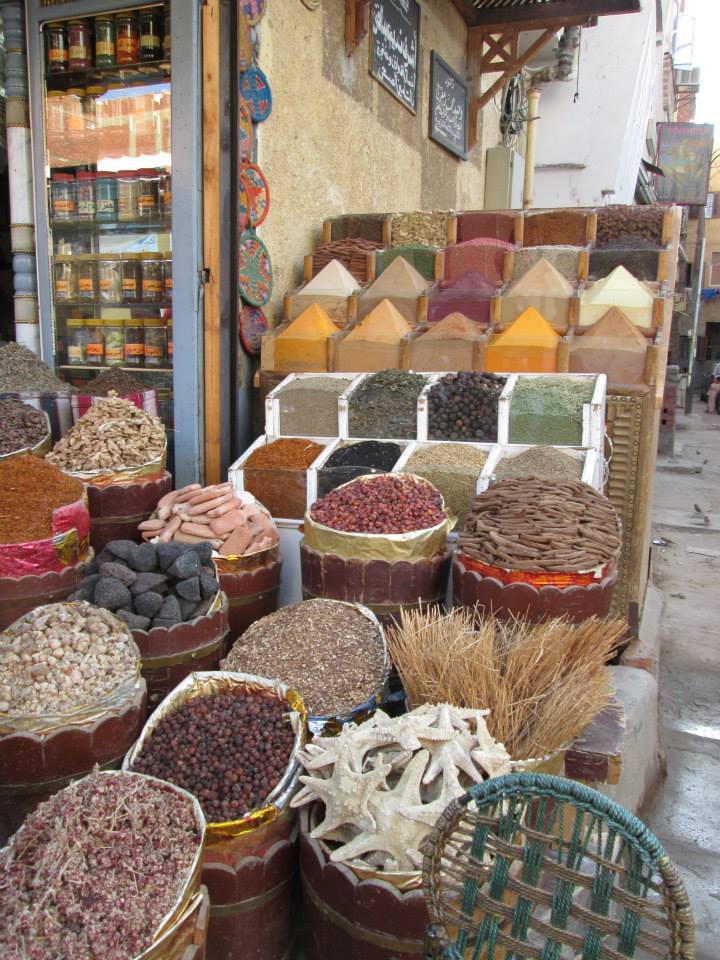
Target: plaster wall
[(338, 142), (604, 132)]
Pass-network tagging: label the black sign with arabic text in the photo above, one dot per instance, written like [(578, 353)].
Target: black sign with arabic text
[(448, 107), (395, 47)]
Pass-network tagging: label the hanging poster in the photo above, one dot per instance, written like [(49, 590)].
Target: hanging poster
[(684, 154), (448, 107), (395, 47)]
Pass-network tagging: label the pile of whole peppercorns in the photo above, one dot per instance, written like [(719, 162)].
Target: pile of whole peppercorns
[(383, 504), (464, 406), (229, 749)]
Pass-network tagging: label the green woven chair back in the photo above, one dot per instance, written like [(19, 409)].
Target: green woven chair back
[(533, 867), (422, 258)]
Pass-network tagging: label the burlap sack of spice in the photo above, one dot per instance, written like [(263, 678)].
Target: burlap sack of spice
[(392, 547), (205, 683)]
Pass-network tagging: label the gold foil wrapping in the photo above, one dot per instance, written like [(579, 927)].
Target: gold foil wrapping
[(205, 683)]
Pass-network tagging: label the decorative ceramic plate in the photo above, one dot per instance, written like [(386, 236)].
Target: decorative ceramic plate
[(254, 10), (243, 206), (257, 192), (244, 41), (254, 271), (245, 132), (255, 88), (253, 326)]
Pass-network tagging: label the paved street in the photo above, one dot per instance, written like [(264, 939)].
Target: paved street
[(687, 570)]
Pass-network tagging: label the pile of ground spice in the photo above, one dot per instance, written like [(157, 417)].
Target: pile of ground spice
[(385, 405), (328, 651), (310, 405), (549, 410), (21, 426), (113, 379), (31, 489), (288, 453), (22, 372), (545, 462)]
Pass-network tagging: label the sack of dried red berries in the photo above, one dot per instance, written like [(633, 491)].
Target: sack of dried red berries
[(390, 517)]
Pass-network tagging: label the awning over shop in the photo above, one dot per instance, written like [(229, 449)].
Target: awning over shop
[(535, 14)]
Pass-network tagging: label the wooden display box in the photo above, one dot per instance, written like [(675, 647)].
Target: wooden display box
[(313, 356), (560, 227), (446, 355), (341, 310), (366, 226), (517, 263), (362, 356)]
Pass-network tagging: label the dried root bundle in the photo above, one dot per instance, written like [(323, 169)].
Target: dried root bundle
[(543, 683)]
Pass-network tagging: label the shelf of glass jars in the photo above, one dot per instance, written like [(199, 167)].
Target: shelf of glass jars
[(96, 368), (115, 73), (159, 224), (114, 304)]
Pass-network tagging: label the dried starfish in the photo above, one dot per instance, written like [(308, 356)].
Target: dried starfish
[(346, 796), (489, 753), (428, 813), (451, 754), (325, 751), (396, 835)]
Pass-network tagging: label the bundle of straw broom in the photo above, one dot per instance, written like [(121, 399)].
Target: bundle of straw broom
[(543, 683)]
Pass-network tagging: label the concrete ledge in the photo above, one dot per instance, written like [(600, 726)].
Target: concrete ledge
[(671, 465), (644, 653), (643, 762)]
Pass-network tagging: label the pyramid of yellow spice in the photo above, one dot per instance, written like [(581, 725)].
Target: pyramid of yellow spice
[(384, 324), (529, 345), (302, 346), (619, 289)]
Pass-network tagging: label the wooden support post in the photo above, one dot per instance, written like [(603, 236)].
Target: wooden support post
[(357, 20), (213, 213)]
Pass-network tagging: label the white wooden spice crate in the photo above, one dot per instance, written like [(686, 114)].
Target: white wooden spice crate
[(593, 433), (423, 412), (272, 401), (343, 404), (236, 472), (592, 469), (312, 482)]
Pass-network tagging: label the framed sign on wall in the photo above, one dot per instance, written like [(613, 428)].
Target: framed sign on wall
[(395, 47), (448, 107)]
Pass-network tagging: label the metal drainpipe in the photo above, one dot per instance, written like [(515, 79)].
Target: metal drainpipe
[(22, 222), (529, 183)]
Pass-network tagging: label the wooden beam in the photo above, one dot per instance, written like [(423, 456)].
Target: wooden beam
[(357, 21), (212, 218), (515, 67)]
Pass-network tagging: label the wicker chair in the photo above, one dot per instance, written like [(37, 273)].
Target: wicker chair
[(538, 867)]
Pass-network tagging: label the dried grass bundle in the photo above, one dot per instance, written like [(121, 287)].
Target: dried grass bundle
[(543, 683)]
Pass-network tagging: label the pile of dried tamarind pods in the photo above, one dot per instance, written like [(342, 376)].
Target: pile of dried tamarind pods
[(522, 523), (233, 521)]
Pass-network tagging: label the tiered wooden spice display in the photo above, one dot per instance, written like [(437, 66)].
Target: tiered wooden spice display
[(548, 291)]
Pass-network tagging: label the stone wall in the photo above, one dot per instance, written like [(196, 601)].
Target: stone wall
[(338, 142)]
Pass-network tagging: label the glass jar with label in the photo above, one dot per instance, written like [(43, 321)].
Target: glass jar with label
[(131, 278), (94, 342), (74, 113), (127, 38), (114, 342), (79, 45), (65, 277), (168, 284), (76, 336), (56, 47), (155, 342), (109, 277), (134, 342), (128, 190), (148, 193), (106, 199), (169, 340), (85, 195), (87, 276), (104, 41), (166, 32), (165, 194), (151, 19), (55, 113), (62, 197), (153, 277)]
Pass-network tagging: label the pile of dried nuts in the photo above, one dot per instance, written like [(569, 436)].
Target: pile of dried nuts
[(21, 426), (229, 749), (233, 521), (384, 504), (528, 524), (113, 434), (95, 869), (61, 657), (330, 652), (151, 585)]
